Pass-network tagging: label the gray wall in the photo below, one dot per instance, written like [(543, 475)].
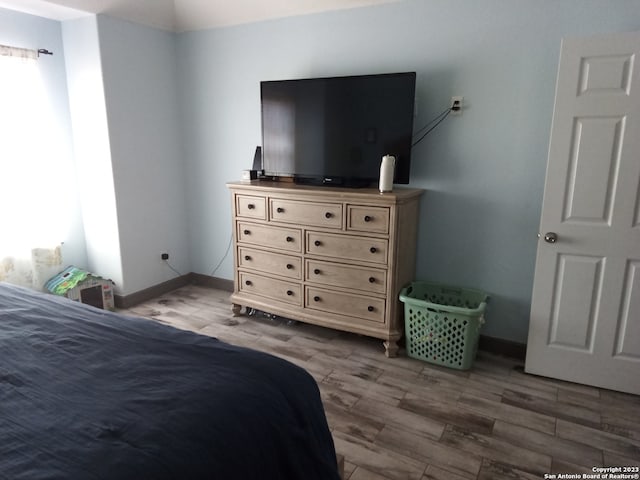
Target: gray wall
[(123, 89), (92, 148), (483, 171), (140, 89)]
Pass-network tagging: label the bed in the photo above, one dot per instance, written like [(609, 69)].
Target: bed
[(91, 394)]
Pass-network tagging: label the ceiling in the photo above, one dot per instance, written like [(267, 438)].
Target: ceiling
[(183, 15)]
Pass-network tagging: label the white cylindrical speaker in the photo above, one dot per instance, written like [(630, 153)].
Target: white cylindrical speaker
[(386, 173)]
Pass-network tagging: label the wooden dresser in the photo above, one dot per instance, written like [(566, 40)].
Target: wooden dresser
[(330, 256)]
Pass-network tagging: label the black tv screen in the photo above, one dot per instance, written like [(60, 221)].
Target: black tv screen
[(336, 130)]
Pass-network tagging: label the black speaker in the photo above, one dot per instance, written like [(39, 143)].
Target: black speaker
[(257, 159), (256, 171)]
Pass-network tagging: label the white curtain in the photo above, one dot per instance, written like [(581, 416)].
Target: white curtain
[(31, 225)]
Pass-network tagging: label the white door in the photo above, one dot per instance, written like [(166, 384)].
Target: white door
[(585, 312)]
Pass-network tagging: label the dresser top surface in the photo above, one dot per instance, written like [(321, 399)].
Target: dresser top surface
[(331, 193)]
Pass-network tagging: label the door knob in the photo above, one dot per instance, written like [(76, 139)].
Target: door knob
[(551, 237)]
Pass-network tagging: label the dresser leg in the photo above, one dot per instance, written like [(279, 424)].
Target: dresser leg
[(235, 308), (390, 349)]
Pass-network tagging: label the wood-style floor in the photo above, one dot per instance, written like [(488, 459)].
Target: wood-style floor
[(405, 419)]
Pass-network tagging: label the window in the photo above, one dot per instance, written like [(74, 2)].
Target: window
[(33, 165)]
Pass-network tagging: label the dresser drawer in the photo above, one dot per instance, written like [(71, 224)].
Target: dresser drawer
[(251, 207), (275, 263), (280, 290), (289, 239), (338, 275), (368, 219), (327, 215), (347, 247), (359, 306)]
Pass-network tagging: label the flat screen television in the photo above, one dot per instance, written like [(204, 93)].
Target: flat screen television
[(335, 131)]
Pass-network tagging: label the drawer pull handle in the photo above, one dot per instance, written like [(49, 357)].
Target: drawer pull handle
[(247, 232), (247, 258), (280, 210), (372, 280), (248, 282), (289, 239), (317, 271), (328, 215), (289, 266), (317, 243), (289, 292), (367, 218), (316, 299), (251, 206), (373, 249), (370, 308)]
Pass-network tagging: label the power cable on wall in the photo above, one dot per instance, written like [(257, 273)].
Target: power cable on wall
[(171, 267), (165, 258), (226, 253), (438, 119)]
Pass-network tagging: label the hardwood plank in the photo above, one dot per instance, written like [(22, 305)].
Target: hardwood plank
[(318, 333), (362, 370), (599, 439), (621, 418), (429, 451), (277, 346), (319, 372), (332, 394), (551, 445), (571, 398), (559, 466), (495, 470), (389, 366), (361, 473), (517, 383), (461, 385), (614, 460), (420, 386), (371, 457), (352, 423), (486, 361), (497, 449), (627, 400), (447, 413), (399, 418), (572, 413), (512, 414), (622, 427), (552, 382), (349, 468), (401, 362), (327, 348), (437, 473), (437, 371), (358, 386)]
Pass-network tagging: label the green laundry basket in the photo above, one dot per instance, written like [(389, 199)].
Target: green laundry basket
[(442, 323)]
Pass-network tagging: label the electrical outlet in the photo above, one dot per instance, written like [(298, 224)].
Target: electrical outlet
[(164, 256), (456, 105)]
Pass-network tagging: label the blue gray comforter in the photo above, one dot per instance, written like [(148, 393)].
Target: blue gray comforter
[(90, 394)]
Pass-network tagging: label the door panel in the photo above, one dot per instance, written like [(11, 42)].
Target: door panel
[(575, 302), (595, 160), (585, 309), (605, 74)]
